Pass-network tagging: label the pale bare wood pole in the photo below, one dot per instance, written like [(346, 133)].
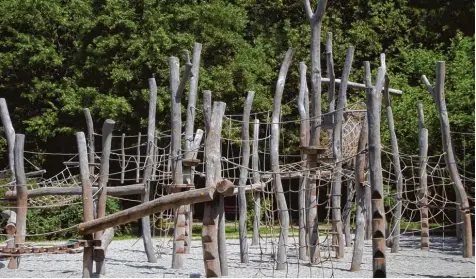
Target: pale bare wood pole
[(189, 139), (438, 93), (245, 160), (10, 137), (304, 141), (91, 146), (330, 72), (376, 178), (337, 151), (423, 191), (145, 222), (395, 234), (346, 211), (138, 157), (367, 190), (177, 86), (360, 186), (107, 129), (88, 208), (281, 257), (213, 124), (256, 179)]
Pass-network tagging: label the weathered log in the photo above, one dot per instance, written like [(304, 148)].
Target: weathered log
[(9, 135), (90, 131), (438, 94), (138, 158), (376, 179), (22, 197), (87, 197), (337, 151), (145, 221), (11, 226), (107, 129), (367, 190), (346, 213), (245, 160), (304, 141), (360, 191), (281, 261), (160, 204), (106, 239), (189, 139), (77, 191), (211, 250), (35, 173), (123, 158), (256, 179), (423, 191)]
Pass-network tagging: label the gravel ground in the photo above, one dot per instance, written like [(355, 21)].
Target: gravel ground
[(126, 258)]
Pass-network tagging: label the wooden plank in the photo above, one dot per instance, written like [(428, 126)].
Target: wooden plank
[(87, 198), (148, 208), (245, 161), (281, 258), (256, 179), (376, 179)]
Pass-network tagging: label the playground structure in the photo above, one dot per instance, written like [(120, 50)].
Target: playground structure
[(165, 177)]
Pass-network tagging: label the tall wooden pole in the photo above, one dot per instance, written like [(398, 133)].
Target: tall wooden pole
[(176, 89), (245, 160), (123, 158), (256, 179), (367, 190), (423, 192), (91, 146), (376, 179), (395, 234), (211, 255), (138, 158), (22, 196), (145, 221), (438, 94), (189, 139), (88, 214), (107, 129), (337, 150), (304, 141), (274, 150), (360, 191)]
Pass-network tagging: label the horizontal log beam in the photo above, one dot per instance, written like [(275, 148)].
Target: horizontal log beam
[(361, 85), (77, 191), (148, 208), (35, 173)]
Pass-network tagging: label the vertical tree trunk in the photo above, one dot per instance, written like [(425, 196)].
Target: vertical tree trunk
[(189, 140), (91, 146), (423, 192), (274, 150), (304, 141), (245, 160), (22, 195), (376, 179), (256, 179), (88, 214), (107, 129), (395, 234), (360, 191), (145, 221), (210, 248), (337, 150), (123, 158), (438, 94), (346, 213), (138, 158)]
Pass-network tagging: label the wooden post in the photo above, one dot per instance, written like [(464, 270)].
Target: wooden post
[(22, 193), (304, 141), (123, 158), (138, 158), (315, 19), (106, 239), (438, 94), (274, 150), (337, 150), (423, 191), (376, 179), (107, 129), (395, 234), (10, 137), (245, 160), (91, 147), (256, 179), (367, 190), (176, 89), (330, 72), (346, 213), (360, 191), (145, 222), (88, 214), (189, 140), (211, 254)]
